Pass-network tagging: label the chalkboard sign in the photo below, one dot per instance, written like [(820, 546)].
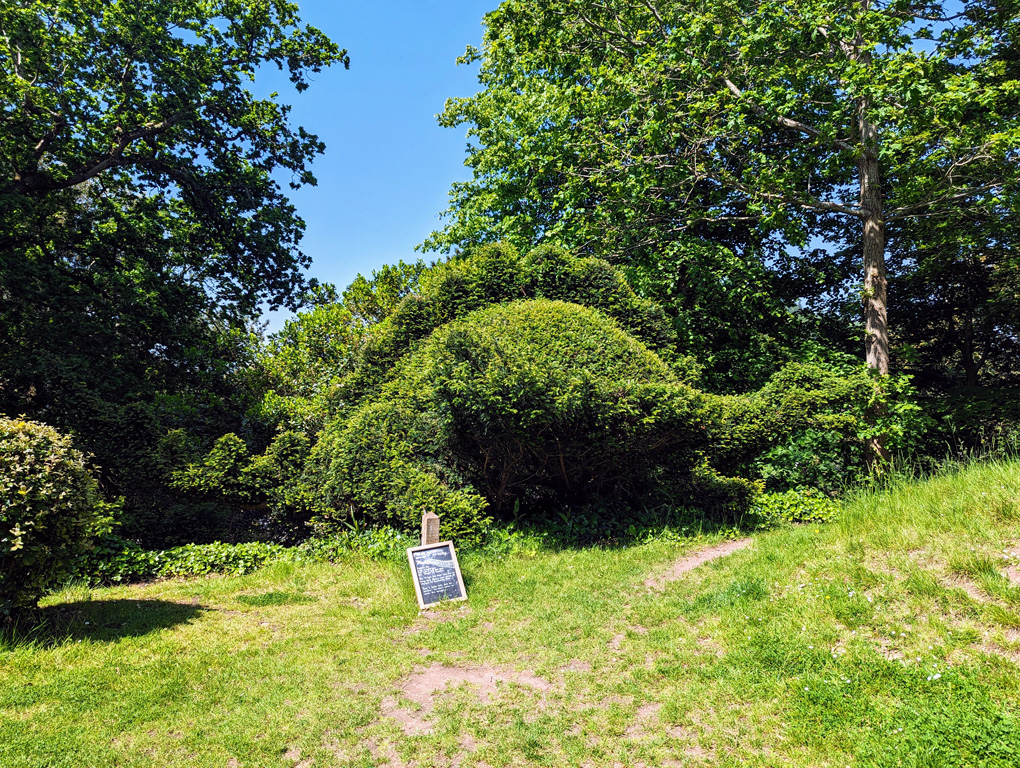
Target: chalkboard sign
[(436, 573)]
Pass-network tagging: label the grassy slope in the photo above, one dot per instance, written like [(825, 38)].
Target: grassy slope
[(817, 646)]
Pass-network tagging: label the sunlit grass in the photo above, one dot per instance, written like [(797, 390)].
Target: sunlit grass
[(890, 637)]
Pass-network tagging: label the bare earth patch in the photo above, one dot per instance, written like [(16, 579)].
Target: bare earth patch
[(577, 666), (420, 686), (1013, 571), (962, 582), (647, 715), (693, 560), (998, 650), (430, 616), (647, 722)]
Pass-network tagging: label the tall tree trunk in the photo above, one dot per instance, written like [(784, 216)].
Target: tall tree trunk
[(876, 329), (876, 342)]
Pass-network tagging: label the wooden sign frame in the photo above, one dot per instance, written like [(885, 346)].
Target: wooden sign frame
[(417, 583)]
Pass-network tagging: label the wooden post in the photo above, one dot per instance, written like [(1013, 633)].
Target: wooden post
[(429, 528)]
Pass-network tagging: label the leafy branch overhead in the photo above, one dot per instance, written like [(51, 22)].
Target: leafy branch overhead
[(622, 127), (154, 99)]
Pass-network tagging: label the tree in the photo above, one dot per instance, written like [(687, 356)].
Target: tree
[(300, 366), (141, 221), (150, 101), (958, 312), (832, 118)]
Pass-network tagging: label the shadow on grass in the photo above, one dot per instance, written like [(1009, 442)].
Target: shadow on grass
[(97, 621)]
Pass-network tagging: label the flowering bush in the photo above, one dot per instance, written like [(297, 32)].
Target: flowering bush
[(49, 511)]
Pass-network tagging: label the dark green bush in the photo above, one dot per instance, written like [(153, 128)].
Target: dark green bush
[(496, 274), (971, 421), (526, 405), (50, 510), (266, 486), (806, 428), (115, 560), (803, 429)]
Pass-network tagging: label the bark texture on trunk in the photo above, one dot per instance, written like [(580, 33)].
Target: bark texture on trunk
[(876, 342), (876, 327)]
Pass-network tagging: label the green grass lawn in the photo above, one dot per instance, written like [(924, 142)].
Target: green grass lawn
[(890, 637)]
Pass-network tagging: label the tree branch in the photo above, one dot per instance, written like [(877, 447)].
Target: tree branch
[(907, 211), (786, 122), (35, 182), (809, 203)]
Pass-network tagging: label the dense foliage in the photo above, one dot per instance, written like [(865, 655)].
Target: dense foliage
[(794, 507), (807, 427), (808, 140), (142, 224), (498, 274), (650, 310), (515, 406), (50, 510)]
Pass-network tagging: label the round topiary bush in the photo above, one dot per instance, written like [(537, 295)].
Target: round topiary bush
[(496, 274), (526, 405), (49, 511)]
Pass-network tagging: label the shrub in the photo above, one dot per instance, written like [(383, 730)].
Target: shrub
[(969, 421), (50, 510), (525, 405), (115, 560), (202, 559), (496, 274), (265, 486), (806, 427), (268, 491)]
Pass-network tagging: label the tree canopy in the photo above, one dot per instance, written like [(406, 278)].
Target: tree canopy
[(628, 126), (142, 220)]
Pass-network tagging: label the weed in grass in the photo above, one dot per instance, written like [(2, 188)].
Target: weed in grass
[(1003, 616), (975, 565), (848, 607)]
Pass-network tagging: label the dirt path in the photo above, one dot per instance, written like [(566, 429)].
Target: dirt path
[(693, 560)]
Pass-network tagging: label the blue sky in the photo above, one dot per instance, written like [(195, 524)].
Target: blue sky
[(388, 166)]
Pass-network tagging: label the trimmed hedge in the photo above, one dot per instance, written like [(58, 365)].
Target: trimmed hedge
[(520, 406), (50, 510), (496, 274), (805, 429)]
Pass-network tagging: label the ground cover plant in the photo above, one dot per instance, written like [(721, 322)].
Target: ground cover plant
[(889, 636)]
